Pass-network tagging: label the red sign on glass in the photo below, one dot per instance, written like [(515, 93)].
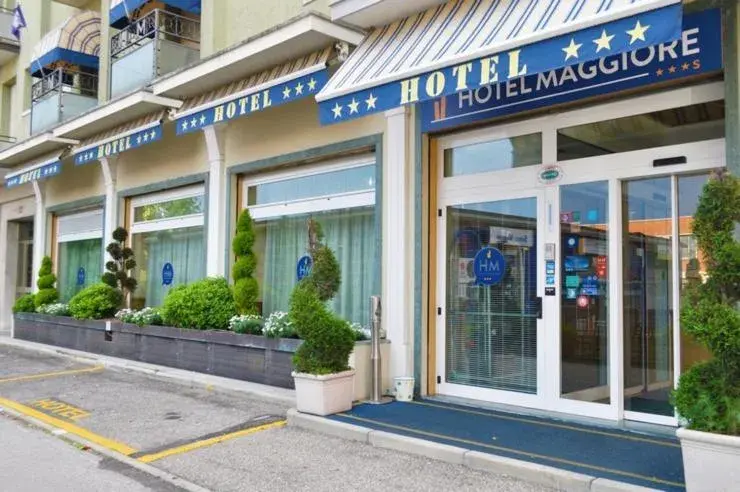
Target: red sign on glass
[(601, 266)]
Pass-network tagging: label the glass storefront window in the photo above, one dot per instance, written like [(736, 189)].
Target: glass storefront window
[(674, 126), (584, 243), (167, 234), (494, 155), (342, 200), (79, 251)]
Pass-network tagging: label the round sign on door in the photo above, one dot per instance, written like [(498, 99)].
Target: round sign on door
[(489, 266)]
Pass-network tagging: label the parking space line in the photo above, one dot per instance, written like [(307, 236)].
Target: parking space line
[(52, 374), (148, 458), (71, 428)]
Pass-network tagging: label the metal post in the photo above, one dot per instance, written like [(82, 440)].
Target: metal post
[(376, 396)]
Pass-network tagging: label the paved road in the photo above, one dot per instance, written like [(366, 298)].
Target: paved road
[(215, 440), (32, 460)]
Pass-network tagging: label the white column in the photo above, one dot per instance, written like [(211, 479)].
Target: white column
[(398, 209), (39, 231), (110, 221), (217, 183)]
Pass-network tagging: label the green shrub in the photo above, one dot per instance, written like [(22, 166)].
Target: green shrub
[(204, 305), (144, 317), (47, 293), (250, 324), (98, 301), (122, 262), (246, 289), (708, 394), (25, 304), (327, 339)]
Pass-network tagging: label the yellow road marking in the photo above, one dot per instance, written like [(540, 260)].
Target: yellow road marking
[(43, 375), (56, 407), (551, 424), (516, 451), (71, 428), (148, 458)]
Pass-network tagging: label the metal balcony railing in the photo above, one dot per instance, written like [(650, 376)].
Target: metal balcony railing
[(152, 46), (61, 94)]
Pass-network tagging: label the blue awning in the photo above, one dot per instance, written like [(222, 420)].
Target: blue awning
[(466, 44), (45, 168), (297, 79), (121, 10), (75, 41)]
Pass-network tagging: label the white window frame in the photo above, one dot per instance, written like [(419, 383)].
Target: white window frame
[(336, 201), (193, 220), (80, 236)]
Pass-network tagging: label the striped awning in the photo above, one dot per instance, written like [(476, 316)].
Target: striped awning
[(44, 167), (296, 79), (122, 10), (466, 44), (75, 41), (137, 133)]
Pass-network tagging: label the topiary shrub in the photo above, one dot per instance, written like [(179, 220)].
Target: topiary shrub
[(25, 304), (327, 339), (708, 394), (246, 289), (122, 262), (204, 305), (47, 293), (98, 301)]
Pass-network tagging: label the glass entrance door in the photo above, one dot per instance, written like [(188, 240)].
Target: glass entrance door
[(488, 342)]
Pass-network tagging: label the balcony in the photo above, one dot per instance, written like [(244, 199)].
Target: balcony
[(60, 95), (9, 45), (6, 141), (150, 47), (371, 13)]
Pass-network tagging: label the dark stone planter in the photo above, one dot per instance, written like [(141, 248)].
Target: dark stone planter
[(221, 353)]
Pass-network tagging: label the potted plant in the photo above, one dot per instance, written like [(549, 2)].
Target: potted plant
[(708, 395), (324, 382)]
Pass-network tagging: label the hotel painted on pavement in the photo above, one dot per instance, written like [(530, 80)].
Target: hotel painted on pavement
[(515, 179)]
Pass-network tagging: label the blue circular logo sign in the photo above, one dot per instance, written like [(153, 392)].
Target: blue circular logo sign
[(81, 276), (168, 274), (303, 267), (489, 266)]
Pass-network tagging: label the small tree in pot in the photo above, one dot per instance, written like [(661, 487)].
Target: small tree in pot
[(47, 293), (324, 382), (246, 289), (708, 394), (121, 263)]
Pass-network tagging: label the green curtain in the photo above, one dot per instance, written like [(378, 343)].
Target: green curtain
[(74, 255), (350, 233), (183, 248)]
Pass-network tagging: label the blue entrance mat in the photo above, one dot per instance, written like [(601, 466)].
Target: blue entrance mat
[(640, 459)]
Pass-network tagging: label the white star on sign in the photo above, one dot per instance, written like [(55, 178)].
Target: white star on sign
[(604, 42), (193, 123), (337, 111), (370, 101), (286, 92), (299, 88), (152, 135), (138, 139), (312, 84), (203, 119), (353, 106), (185, 125), (146, 137), (638, 32), (571, 51)]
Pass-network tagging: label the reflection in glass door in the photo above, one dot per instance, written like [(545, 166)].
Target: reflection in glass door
[(647, 260), (491, 295), (584, 303)]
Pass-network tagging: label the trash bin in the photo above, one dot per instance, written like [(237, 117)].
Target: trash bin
[(404, 388)]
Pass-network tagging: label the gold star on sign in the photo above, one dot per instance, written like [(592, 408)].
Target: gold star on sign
[(685, 66), (638, 32), (672, 69), (659, 72), (353, 106), (604, 42), (571, 51)]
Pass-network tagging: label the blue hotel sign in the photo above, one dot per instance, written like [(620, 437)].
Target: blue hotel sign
[(698, 51), (618, 36), (45, 171), (277, 95), (119, 145)]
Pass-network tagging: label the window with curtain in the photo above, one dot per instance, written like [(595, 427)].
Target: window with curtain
[(341, 197), (79, 251), (167, 237)]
